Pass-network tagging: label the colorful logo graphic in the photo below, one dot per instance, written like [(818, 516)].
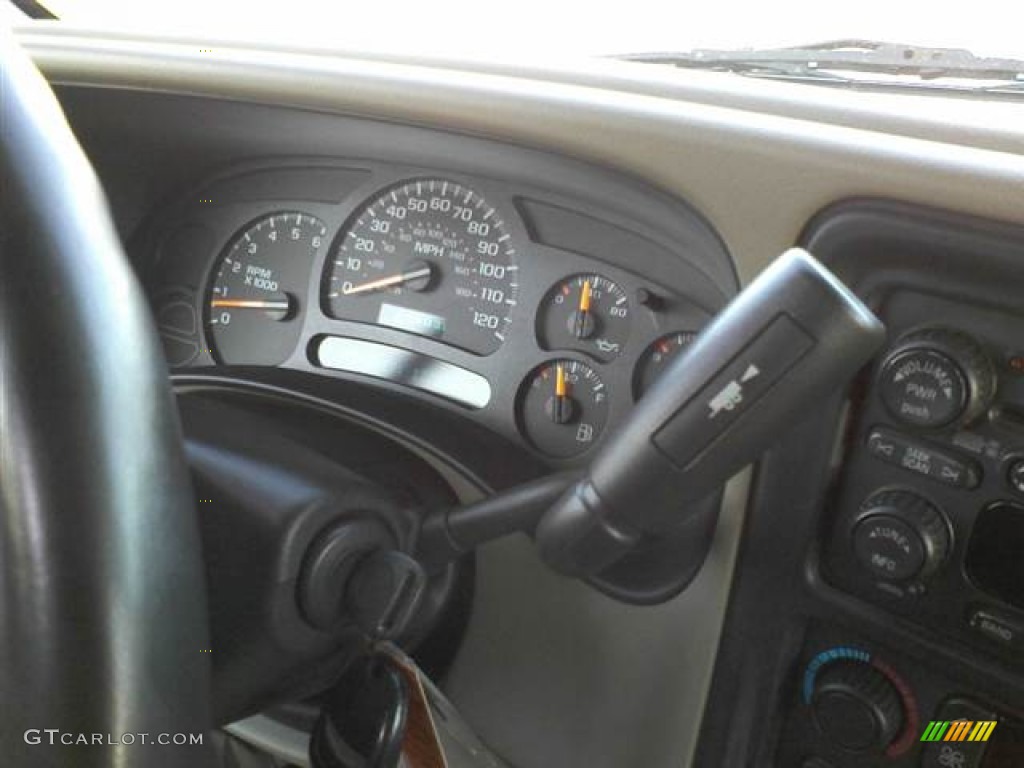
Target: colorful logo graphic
[(958, 730)]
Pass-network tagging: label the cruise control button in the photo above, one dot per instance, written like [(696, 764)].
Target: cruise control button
[(934, 463)]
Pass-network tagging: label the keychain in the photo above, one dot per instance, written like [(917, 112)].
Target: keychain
[(364, 717)]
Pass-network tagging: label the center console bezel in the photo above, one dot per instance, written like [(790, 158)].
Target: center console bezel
[(780, 590)]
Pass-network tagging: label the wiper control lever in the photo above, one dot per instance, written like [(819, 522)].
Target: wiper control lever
[(792, 338)]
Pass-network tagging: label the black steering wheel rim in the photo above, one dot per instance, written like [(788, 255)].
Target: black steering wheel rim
[(104, 630)]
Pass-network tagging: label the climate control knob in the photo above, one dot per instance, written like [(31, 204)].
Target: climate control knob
[(857, 707), (936, 377), (900, 536)]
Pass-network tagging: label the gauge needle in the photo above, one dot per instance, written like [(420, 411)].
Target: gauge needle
[(581, 321), (277, 306), (272, 304), (420, 273), (561, 403), (585, 297), (561, 388)]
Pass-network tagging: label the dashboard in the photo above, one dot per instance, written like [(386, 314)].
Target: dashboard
[(541, 317), (670, 190)]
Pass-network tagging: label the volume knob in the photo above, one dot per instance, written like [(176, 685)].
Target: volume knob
[(937, 377)]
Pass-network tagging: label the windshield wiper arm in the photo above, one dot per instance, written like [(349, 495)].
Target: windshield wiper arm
[(825, 62)]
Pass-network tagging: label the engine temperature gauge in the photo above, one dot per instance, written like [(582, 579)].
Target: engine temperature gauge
[(563, 407), (586, 313)]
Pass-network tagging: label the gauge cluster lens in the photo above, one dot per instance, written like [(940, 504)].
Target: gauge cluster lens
[(656, 358), (585, 313), (563, 407), (430, 257), (254, 301)]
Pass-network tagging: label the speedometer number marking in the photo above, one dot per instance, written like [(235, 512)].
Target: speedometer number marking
[(431, 258)]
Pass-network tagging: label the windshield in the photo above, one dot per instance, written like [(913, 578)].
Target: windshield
[(532, 29)]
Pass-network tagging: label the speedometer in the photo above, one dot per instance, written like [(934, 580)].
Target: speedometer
[(430, 257)]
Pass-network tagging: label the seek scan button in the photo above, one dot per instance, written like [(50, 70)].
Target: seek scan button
[(942, 466)]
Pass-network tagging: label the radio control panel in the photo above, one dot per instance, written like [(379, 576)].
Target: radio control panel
[(927, 518)]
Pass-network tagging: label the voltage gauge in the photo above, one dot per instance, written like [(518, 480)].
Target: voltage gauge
[(656, 358), (585, 313), (563, 407)]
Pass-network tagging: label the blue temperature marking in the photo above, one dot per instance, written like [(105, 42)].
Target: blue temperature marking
[(827, 657)]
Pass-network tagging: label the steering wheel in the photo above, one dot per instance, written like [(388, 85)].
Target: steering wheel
[(104, 638)]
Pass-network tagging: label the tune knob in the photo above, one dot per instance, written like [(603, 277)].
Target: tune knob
[(857, 707), (937, 377), (900, 536)]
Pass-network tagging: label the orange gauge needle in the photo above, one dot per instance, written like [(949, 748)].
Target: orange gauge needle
[(420, 273), (561, 405), (282, 305), (581, 321), (585, 296)]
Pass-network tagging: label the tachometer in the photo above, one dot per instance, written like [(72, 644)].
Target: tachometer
[(430, 257), (253, 302)]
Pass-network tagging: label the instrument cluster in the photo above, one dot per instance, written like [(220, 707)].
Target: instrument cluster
[(439, 285)]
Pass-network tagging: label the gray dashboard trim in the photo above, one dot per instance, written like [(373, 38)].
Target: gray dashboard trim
[(758, 175), (273, 737), (404, 367)]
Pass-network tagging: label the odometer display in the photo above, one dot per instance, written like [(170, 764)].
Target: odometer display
[(430, 257)]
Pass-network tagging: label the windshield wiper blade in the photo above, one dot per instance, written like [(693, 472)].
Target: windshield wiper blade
[(34, 9), (826, 62)]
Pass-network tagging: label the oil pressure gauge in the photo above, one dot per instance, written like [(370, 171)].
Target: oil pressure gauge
[(562, 408), (585, 313)]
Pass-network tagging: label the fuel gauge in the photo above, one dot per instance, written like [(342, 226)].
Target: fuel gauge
[(562, 408), (585, 313)]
